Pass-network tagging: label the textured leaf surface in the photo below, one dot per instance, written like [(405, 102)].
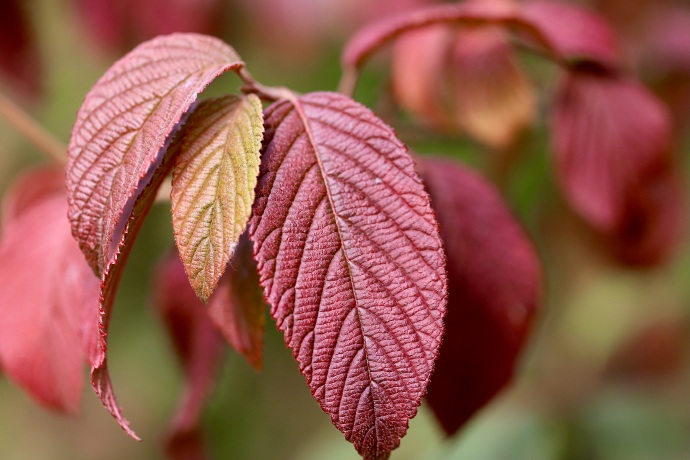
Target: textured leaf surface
[(213, 185), (199, 348), (351, 262), (122, 127), (612, 145), (48, 295), (237, 307), (494, 287), (110, 280)]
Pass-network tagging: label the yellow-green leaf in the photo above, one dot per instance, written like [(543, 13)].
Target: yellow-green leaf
[(213, 185)]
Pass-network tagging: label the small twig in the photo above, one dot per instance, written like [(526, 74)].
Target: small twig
[(32, 131), (269, 93)]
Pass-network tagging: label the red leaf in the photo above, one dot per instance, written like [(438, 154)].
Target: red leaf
[(110, 280), (19, 54), (612, 144), (237, 306), (117, 25), (494, 285), (199, 347), (565, 33), (30, 189), (576, 33), (464, 79), (351, 263), (122, 127), (48, 294)]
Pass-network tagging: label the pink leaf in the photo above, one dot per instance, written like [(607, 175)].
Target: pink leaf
[(122, 127), (612, 145), (237, 306), (110, 280), (199, 347), (576, 33), (494, 287), (19, 54), (351, 263), (465, 79), (565, 33), (48, 295), (117, 25)]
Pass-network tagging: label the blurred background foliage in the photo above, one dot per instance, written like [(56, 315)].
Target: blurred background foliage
[(606, 375)]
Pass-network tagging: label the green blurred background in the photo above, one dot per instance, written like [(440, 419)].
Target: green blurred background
[(606, 375)]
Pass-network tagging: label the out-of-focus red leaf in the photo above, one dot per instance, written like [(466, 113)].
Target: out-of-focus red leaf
[(659, 349), (494, 290), (351, 262), (612, 145), (122, 128), (419, 70), (119, 24), (199, 347), (577, 33), (465, 79), (19, 55), (29, 189), (668, 39), (48, 295), (237, 307), (300, 27), (565, 32)]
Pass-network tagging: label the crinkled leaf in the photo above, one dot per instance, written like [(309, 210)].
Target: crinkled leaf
[(494, 284), (237, 307), (612, 143), (213, 185), (19, 54), (351, 262), (48, 295), (199, 348), (465, 79), (110, 280), (122, 127)]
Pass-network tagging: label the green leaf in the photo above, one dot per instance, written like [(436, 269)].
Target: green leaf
[(213, 185)]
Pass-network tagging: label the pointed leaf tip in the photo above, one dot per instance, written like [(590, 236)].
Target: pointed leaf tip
[(122, 128), (351, 262), (213, 185)]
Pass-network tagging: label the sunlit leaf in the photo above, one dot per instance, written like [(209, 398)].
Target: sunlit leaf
[(351, 262), (213, 185), (494, 290), (466, 79), (122, 128)]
